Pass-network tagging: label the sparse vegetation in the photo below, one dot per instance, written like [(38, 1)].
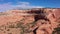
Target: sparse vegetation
[(56, 31), (11, 26), (25, 28)]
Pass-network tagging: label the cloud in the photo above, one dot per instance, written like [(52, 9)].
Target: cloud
[(6, 6), (21, 5), (27, 5)]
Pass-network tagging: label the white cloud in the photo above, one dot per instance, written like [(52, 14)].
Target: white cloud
[(23, 5), (27, 5), (6, 6)]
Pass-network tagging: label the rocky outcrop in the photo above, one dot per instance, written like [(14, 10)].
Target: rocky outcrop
[(34, 21)]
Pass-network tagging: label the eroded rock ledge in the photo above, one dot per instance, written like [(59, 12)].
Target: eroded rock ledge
[(34, 21)]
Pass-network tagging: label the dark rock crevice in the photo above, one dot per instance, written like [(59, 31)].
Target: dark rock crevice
[(34, 31)]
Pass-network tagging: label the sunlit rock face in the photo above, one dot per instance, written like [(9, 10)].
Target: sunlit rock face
[(33, 21)]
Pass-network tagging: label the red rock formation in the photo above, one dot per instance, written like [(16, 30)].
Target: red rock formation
[(35, 21)]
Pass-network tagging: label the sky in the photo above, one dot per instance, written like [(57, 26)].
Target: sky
[(25, 4)]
